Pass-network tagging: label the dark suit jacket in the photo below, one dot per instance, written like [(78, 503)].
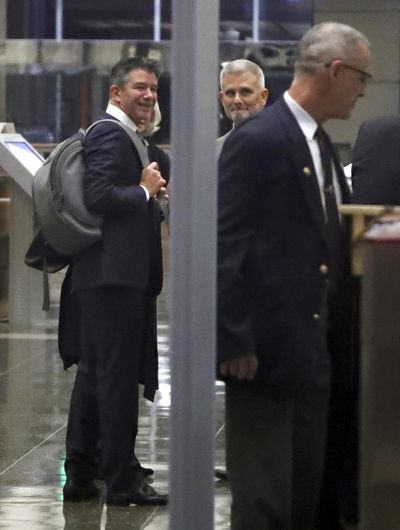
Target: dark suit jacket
[(376, 162), (129, 253), (271, 244), (156, 154), (124, 256)]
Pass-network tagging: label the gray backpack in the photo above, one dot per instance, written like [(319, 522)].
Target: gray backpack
[(64, 221)]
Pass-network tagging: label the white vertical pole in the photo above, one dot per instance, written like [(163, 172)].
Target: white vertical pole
[(256, 20), (193, 262), (157, 21), (59, 74), (59, 19)]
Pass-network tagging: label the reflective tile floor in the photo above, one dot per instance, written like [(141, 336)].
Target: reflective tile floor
[(34, 399)]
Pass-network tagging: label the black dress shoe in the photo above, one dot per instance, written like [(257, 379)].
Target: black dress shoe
[(76, 491), (145, 495), (147, 471)]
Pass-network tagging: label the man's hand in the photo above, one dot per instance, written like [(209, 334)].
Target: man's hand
[(152, 180), (162, 195), (242, 368)]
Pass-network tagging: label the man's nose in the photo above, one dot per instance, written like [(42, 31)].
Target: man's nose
[(148, 92)]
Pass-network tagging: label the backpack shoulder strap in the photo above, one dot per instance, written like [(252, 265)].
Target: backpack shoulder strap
[(141, 148), (137, 142)]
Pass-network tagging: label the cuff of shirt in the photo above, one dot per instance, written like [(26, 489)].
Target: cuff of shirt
[(146, 191)]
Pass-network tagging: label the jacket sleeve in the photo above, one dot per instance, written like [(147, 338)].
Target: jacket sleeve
[(156, 154), (237, 204), (113, 172)]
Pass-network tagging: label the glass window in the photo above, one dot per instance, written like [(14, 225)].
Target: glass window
[(285, 19), (278, 19), (101, 19), (76, 73), (235, 19), (134, 19)]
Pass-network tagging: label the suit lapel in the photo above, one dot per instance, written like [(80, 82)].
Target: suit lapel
[(305, 171)]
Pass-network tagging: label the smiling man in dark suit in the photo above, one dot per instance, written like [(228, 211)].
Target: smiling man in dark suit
[(280, 260), (114, 283)]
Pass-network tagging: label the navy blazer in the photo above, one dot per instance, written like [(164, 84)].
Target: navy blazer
[(129, 253), (274, 257)]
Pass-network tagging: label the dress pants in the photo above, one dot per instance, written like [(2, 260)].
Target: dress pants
[(103, 415), (275, 454)]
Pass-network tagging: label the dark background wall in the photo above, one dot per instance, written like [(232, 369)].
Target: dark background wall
[(133, 19)]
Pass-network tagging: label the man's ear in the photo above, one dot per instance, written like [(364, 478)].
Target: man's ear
[(114, 93), (334, 67), (264, 96)]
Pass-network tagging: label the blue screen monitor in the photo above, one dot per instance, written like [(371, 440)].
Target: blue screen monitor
[(28, 157)]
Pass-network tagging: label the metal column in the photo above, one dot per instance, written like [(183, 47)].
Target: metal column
[(59, 19), (256, 20), (157, 21), (380, 388), (192, 266)]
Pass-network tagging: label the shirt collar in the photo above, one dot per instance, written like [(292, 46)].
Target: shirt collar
[(306, 123), (116, 112)]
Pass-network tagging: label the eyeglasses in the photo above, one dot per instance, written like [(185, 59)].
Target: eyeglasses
[(367, 75)]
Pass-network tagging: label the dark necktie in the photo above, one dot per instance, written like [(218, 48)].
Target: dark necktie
[(333, 224), (331, 209)]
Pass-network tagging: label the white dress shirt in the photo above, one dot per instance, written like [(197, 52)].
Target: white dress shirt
[(116, 112)]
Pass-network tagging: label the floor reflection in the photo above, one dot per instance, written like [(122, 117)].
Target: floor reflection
[(34, 399), (93, 516)]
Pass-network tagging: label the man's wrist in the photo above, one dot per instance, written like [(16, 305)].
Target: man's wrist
[(146, 191)]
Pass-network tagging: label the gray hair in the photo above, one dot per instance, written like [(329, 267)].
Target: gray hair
[(325, 42), (242, 66)]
